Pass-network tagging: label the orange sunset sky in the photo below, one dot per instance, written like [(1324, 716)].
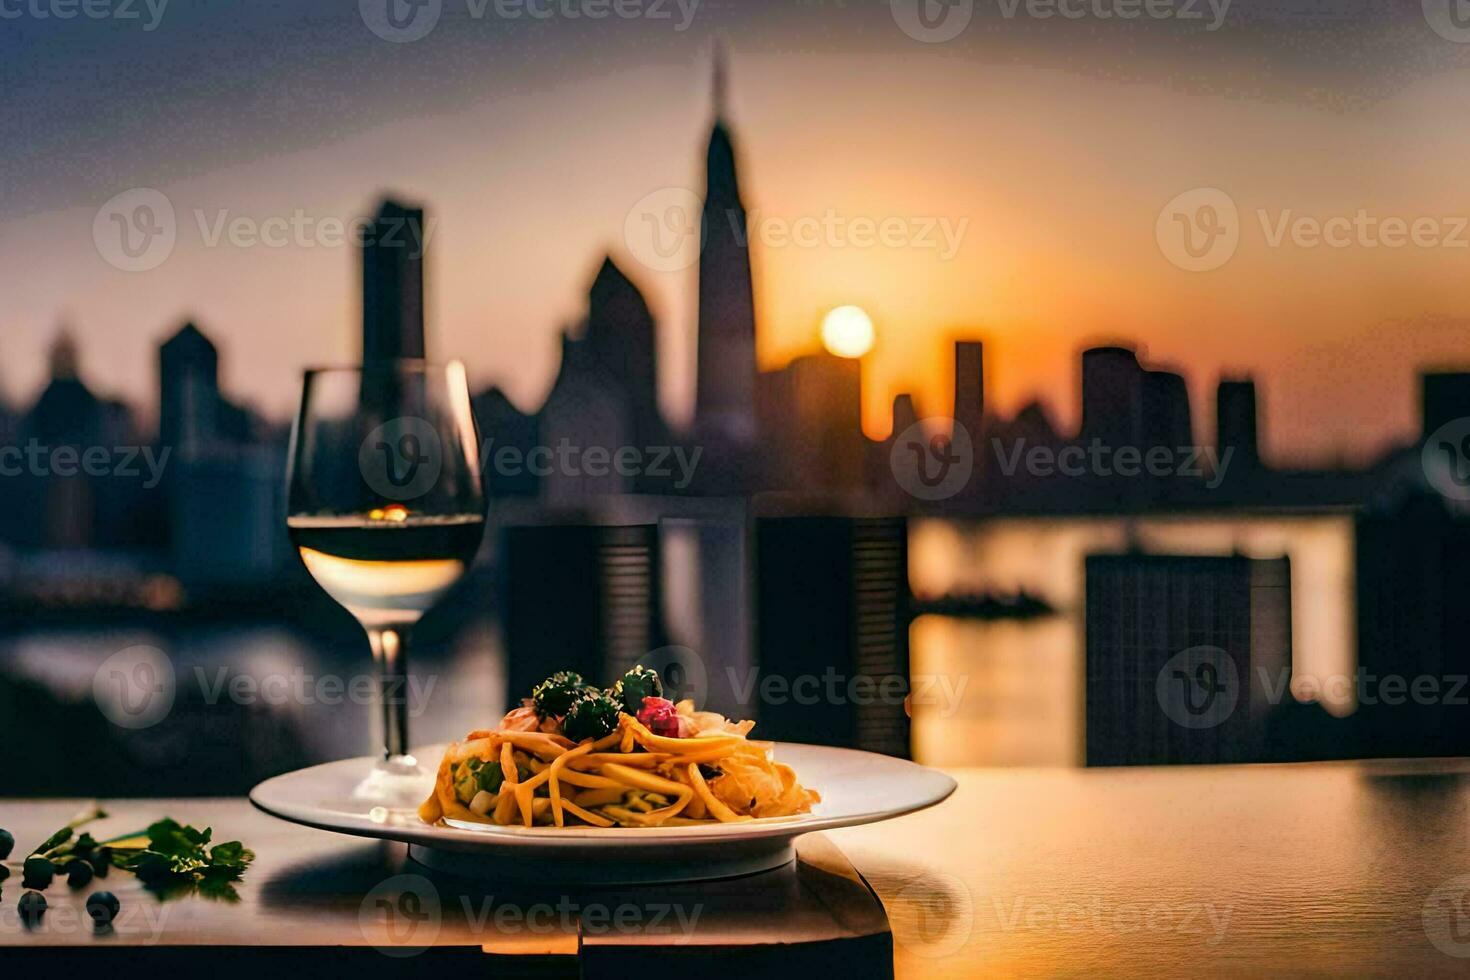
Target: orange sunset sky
[(1053, 146)]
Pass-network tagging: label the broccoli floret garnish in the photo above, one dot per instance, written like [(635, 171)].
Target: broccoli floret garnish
[(553, 696), (639, 683), (592, 715)]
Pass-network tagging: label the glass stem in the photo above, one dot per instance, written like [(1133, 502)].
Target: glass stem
[(390, 653)]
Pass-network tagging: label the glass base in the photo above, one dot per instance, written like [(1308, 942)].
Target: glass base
[(396, 783)]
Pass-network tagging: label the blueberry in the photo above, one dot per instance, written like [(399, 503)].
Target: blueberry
[(78, 873), (7, 844), (102, 907), (32, 907), (38, 872), (101, 861), (4, 872)]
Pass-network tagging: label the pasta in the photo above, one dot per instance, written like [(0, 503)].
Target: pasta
[(572, 755)]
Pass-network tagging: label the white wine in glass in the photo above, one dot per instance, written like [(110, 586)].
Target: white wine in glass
[(386, 509)]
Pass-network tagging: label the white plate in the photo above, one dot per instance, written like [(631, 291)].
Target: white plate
[(856, 788)]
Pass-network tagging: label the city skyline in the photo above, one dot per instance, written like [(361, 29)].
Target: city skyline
[(522, 227)]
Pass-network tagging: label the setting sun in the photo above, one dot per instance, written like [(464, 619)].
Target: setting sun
[(847, 331)]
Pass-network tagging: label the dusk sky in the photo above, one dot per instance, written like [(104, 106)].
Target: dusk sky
[(530, 141)]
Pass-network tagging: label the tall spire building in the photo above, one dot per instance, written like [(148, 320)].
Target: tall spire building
[(725, 402)]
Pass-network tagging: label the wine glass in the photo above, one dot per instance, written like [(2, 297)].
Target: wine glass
[(386, 507)]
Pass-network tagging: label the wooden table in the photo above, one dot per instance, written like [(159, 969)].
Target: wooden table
[(1339, 868)]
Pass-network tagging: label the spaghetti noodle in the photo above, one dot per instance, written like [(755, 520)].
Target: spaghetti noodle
[(598, 764)]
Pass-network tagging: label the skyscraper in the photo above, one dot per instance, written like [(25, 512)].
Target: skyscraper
[(969, 385), (811, 423), (623, 340), (1444, 397), (725, 401), (1235, 424), (393, 284), (1112, 396), (606, 393), (1187, 657), (832, 617), (188, 391), (1165, 411)]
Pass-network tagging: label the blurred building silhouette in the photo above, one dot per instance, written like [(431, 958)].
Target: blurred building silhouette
[(1235, 427), (1413, 590), (193, 415), (393, 284), (58, 499), (1444, 397), (1112, 397), (579, 597), (811, 424), (832, 631), (725, 400), (969, 387), (1183, 657)]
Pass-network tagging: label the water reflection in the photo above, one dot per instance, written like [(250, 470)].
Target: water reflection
[(1023, 678), (225, 704)]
